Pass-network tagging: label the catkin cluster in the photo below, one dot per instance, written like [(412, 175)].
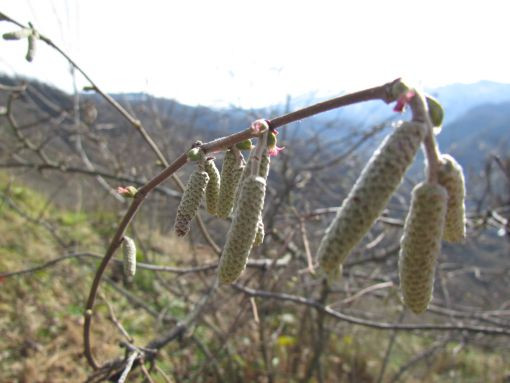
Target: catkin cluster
[(212, 191), (421, 244), (367, 199), (242, 232), (129, 251), (231, 172), (190, 201), (451, 177)]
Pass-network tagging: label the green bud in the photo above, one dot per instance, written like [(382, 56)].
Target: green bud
[(195, 154), (212, 191), (271, 140), (451, 177), (420, 245), (190, 201), (245, 145), (242, 232), (436, 113), (372, 191), (129, 250)]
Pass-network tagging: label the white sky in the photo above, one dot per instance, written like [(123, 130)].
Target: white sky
[(255, 53)]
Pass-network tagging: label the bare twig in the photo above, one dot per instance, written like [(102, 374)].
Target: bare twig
[(129, 364), (387, 354), (370, 323)]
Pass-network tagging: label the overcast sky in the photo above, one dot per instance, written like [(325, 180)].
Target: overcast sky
[(255, 53)]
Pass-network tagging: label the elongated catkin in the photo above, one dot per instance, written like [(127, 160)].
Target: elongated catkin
[(367, 199), (212, 191), (190, 201), (451, 176), (421, 245), (231, 171), (241, 235), (129, 261), (259, 237)]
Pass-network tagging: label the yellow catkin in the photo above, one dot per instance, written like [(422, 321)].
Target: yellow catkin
[(230, 175), (242, 232), (367, 199), (451, 176), (129, 251), (212, 191), (420, 245), (190, 201)]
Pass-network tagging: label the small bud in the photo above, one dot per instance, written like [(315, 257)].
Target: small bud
[(231, 172), (129, 250), (190, 201), (195, 154), (245, 145), (212, 191), (272, 149), (127, 192), (451, 177), (259, 237), (242, 232), (372, 191), (259, 126), (421, 245), (436, 113)]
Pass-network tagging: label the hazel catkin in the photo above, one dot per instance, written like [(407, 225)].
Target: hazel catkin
[(259, 237), (231, 171), (129, 252), (368, 197), (420, 245), (212, 191), (190, 201), (242, 232), (451, 177)]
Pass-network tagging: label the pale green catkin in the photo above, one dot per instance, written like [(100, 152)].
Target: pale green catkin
[(190, 201), (372, 191), (420, 245), (230, 175), (259, 237), (129, 250), (31, 48), (242, 232), (265, 161), (212, 191), (451, 176)]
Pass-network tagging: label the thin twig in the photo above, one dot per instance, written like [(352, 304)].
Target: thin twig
[(129, 364), (370, 323), (387, 354)]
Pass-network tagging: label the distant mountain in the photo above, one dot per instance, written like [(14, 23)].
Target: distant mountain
[(477, 116), (480, 131)]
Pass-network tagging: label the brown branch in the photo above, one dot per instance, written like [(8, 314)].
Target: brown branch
[(252, 263), (370, 323)]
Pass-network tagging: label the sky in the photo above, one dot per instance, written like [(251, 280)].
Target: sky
[(256, 53)]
